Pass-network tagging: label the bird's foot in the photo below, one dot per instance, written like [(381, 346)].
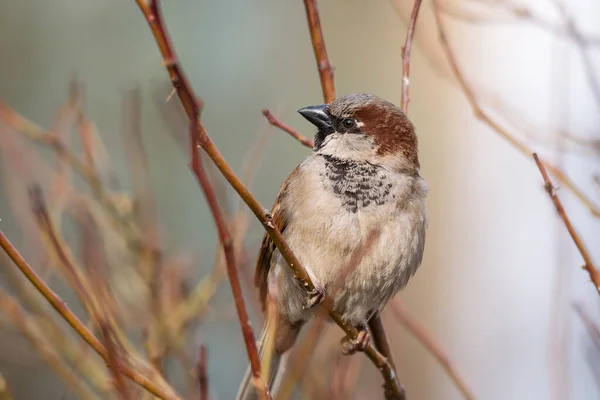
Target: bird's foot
[(362, 341), (314, 297)]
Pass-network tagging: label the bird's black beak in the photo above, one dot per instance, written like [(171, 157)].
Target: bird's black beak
[(317, 116)]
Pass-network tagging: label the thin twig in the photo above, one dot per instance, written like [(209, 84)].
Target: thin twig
[(589, 264), (37, 337), (406, 55), (318, 43), (288, 129), (157, 389), (187, 97), (202, 373), (193, 107), (495, 126), (421, 334)]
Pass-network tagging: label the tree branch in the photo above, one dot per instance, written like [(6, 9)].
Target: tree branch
[(495, 126), (318, 43), (288, 129), (420, 333), (589, 264), (193, 107), (60, 306), (150, 10), (406, 55), (202, 373)]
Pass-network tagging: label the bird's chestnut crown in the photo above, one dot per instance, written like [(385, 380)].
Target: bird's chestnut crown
[(364, 127)]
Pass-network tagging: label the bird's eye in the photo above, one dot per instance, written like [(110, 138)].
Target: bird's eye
[(348, 123)]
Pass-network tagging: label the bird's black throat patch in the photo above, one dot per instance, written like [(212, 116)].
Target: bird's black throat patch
[(358, 184)]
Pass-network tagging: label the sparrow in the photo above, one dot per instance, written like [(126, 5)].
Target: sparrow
[(359, 192)]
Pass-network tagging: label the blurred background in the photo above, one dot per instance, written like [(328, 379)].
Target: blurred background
[(500, 277)]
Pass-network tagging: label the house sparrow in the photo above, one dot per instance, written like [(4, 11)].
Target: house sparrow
[(362, 177)]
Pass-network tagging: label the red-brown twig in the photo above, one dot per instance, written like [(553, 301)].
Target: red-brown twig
[(151, 12), (589, 264), (318, 43), (379, 338), (193, 106), (202, 373), (495, 126), (406, 55), (288, 129), (60, 306), (421, 334)]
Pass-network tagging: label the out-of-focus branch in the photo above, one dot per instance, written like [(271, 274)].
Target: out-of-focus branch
[(574, 32), (495, 126), (72, 351), (202, 373), (24, 323), (151, 12), (421, 334), (589, 264), (193, 107), (288, 129), (412, 25), (50, 139), (318, 43), (159, 389), (4, 392)]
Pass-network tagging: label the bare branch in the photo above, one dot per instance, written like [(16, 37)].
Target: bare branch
[(406, 55), (288, 129), (589, 265), (185, 92), (193, 107), (157, 389), (202, 373), (318, 43), (495, 126), (421, 334)]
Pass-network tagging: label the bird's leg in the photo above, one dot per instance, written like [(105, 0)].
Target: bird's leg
[(351, 346), (314, 297)]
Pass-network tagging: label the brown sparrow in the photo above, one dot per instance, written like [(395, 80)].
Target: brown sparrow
[(363, 177)]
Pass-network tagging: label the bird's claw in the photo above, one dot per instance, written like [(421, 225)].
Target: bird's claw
[(351, 346), (314, 297)]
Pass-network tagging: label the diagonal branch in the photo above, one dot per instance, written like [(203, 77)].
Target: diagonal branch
[(495, 126), (589, 264), (60, 306), (421, 334), (193, 107), (287, 129), (185, 92)]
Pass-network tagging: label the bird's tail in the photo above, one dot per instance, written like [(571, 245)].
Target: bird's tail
[(269, 358)]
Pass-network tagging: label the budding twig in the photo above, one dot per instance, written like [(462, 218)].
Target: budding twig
[(487, 119), (589, 264)]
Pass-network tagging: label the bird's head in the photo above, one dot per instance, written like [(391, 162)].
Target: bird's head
[(364, 128)]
